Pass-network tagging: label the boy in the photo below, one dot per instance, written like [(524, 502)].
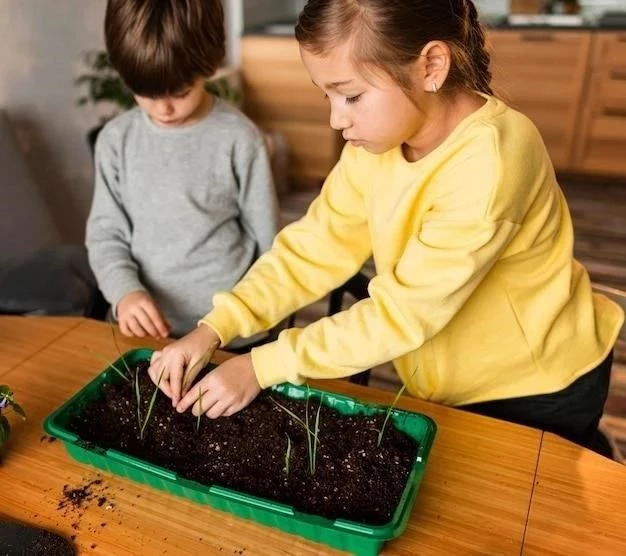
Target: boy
[(184, 200)]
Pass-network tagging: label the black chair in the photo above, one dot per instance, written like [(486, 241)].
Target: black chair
[(357, 288)]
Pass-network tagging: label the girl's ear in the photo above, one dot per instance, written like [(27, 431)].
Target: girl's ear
[(435, 57)]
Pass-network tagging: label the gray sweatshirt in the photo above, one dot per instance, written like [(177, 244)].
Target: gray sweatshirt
[(179, 212)]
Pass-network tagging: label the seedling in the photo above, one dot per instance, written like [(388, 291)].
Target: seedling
[(381, 432), (110, 364), (7, 401), (312, 435), (287, 455), (138, 397), (200, 408), (151, 406), (117, 347)]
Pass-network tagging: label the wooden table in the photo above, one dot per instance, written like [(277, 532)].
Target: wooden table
[(491, 488)]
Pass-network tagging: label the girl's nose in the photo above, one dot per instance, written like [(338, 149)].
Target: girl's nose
[(339, 120)]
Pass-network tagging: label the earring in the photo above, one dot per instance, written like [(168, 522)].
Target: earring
[(434, 87)]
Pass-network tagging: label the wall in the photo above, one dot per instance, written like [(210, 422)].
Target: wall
[(42, 42)]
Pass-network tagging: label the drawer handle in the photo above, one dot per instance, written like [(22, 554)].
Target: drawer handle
[(615, 112), (537, 37), (619, 75), (621, 38)]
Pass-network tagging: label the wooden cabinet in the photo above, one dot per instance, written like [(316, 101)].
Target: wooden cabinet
[(571, 83), (279, 95), (601, 147), (542, 74)]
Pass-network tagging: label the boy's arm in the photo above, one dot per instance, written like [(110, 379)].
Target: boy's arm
[(108, 233), (257, 195), (308, 259)]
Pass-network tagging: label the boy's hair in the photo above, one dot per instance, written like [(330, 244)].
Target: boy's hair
[(390, 34), (159, 47)]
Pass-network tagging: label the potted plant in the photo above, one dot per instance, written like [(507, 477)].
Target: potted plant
[(320, 465), (7, 401)]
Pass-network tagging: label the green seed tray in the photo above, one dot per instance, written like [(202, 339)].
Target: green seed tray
[(358, 538)]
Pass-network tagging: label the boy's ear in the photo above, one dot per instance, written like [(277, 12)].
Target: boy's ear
[(435, 59)]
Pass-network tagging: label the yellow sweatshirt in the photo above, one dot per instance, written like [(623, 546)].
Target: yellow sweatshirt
[(476, 295)]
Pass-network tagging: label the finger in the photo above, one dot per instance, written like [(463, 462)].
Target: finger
[(160, 377), (176, 374), (146, 322), (135, 327), (191, 398), (157, 319), (155, 356), (124, 328), (190, 375), (217, 410)]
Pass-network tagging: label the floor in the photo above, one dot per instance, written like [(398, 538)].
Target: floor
[(599, 215)]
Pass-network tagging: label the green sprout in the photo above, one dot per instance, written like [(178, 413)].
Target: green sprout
[(312, 435), (287, 454), (381, 432), (117, 347), (151, 406), (109, 363), (199, 400), (7, 401), (138, 396)]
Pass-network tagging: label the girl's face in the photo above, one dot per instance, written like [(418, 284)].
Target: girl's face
[(374, 113), (181, 109)]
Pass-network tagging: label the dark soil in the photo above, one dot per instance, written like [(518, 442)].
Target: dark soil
[(20, 539), (354, 479)]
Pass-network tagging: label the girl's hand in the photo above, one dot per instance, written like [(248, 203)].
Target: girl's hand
[(175, 367), (225, 390), (139, 315)]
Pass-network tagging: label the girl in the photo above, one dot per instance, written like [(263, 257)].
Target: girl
[(477, 298)]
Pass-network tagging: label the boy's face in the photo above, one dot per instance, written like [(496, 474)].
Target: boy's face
[(374, 113), (181, 109)]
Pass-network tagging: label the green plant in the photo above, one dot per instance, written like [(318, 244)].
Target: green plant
[(7, 401), (110, 364), (102, 83), (381, 432), (151, 405), (199, 408), (287, 454), (312, 434)]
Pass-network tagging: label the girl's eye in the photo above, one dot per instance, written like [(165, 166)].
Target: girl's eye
[(182, 95), (352, 100)]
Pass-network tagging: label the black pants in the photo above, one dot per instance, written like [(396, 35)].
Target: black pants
[(573, 413)]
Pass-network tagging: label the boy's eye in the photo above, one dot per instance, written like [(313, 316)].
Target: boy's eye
[(182, 95), (352, 100)]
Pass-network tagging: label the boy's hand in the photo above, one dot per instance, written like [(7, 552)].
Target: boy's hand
[(225, 390), (139, 315), (175, 367)]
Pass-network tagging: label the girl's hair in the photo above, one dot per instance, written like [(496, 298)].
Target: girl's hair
[(159, 47), (390, 34)]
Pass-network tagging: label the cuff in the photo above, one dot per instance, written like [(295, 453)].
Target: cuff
[(272, 366), (222, 322)]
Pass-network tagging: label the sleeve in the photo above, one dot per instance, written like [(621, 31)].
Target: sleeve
[(308, 259), (439, 269), (109, 229), (257, 195)]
